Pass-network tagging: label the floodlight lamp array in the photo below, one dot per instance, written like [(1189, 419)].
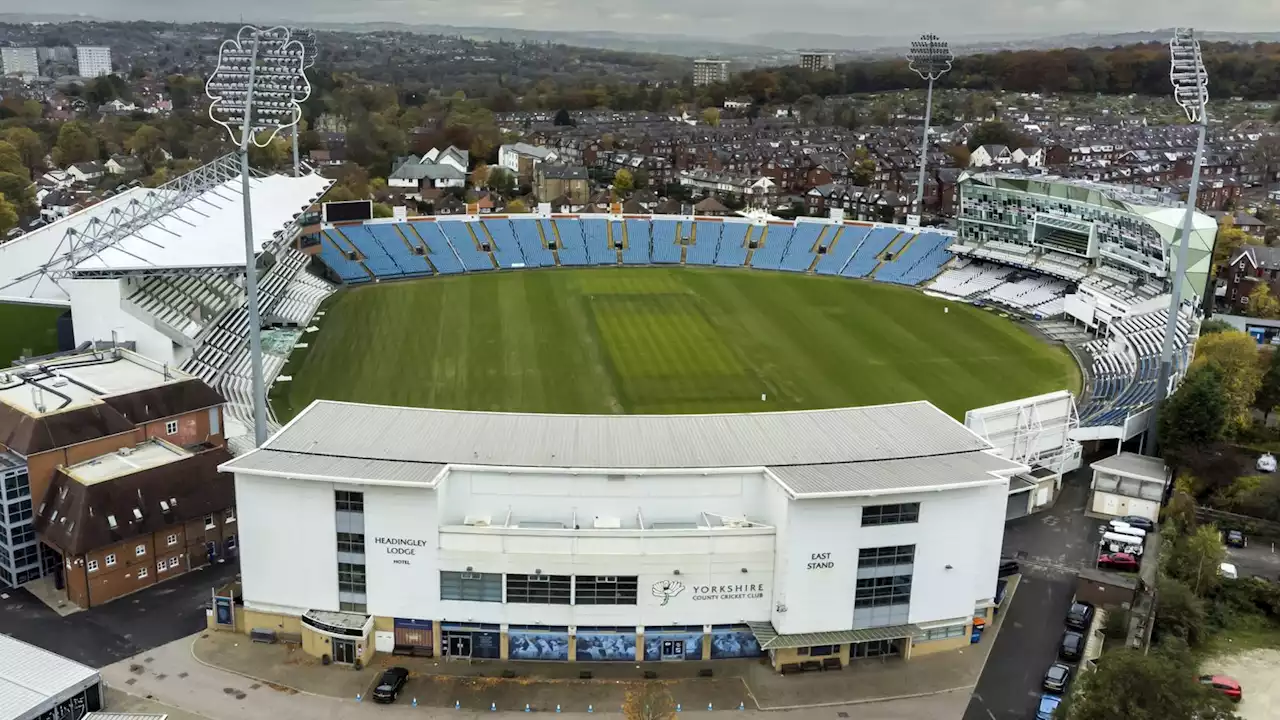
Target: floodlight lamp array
[(262, 73), (308, 40), (930, 57), (1187, 74)]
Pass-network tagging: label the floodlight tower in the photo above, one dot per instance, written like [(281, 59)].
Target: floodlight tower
[(257, 90), (308, 40), (1191, 91), (930, 58)]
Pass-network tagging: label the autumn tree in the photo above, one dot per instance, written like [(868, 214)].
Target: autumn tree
[(145, 143), (623, 181), (649, 701), (516, 206), (959, 155), (76, 144), (1262, 303), (480, 175), (711, 116), (1234, 355), (501, 180), (29, 146), (1132, 683), (1229, 240)]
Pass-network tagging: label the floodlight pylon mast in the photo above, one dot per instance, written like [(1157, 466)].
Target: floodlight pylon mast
[(251, 265), (930, 58), (1191, 91)]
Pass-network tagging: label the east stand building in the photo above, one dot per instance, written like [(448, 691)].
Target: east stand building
[(804, 536)]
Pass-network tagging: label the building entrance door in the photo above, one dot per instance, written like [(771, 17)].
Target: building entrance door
[(672, 649), (344, 651), (457, 645)]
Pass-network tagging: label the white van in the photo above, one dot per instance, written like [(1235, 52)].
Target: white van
[(1130, 530), (1115, 542)]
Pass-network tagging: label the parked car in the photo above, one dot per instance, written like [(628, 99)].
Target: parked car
[(1119, 561), (1008, 566), (1139, 522), (1056, 678), (1236, 539), (390, 685), (1048, 703), (1267, 463), (1080, 615), (1228, 686), (1228, 571), (1072, 645)]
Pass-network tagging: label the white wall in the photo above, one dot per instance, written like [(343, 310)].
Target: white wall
[(288, 543), (401, 581), (96, 310), (818, 598)]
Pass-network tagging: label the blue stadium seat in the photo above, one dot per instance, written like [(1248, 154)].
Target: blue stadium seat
[(506, 250), (535, 254), (847, 239), (393, 243), (733, 248), (776, 237), (375, 257), (438, 247), (595, 232), (706, 236), (350, 271), (573, 248), (665, 248), (800, 253), (868, 254), (638, 234), (464, 244)]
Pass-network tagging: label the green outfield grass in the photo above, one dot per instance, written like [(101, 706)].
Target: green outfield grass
[(664, 340), (27, 331)]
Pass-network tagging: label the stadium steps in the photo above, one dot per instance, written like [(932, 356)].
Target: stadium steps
[(349, 245), (406, 241), (880, 261), (684, 253), (421, 243), (626, 238), (486, 239)]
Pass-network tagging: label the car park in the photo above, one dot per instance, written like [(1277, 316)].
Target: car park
[(1143, 524), (1080, 615), (1048, 703), (1224, 684), (390, 685), (1072, 645), (1119, 561), (1056, 678), (1236, 539)]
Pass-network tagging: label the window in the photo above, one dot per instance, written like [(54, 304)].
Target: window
[(208, 522), (231, 543), (942, 633), (140, 550), (350, 578), (604, 590), (92, 566), (353, 607), (541, 589), (890, 514), (351, 543), (348, 501), (20, 511), (882, 591), (887, 556), (473, 586), (142, 572), (161, 566), (173, 562), (17, 485), (171, 540), (171, 427), (231, 515), (110, 559)]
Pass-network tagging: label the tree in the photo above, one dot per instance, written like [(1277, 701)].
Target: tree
[(1228, 241), (1234, 355), (1262, 304), (145, 143), (711, 116), (623, 181), (382, 210), (1135, 685), (563, 119), (1181, 614), (959, 155), (29, 146), (1211, 326), (76, 144), (1194, 558), (640, 178), (277, 153), (1195, 416), (1268, 396), (480, 175), (516, 206), (649, 701), (501, 180), (8, 217), (994, 133)]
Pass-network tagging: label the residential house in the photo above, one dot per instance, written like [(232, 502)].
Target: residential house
[(1251, 225), (553, 181), (1249, 266), (327, 157), (989, 155), (87, 171), (124, 165), (437, 169), (521, 158), (1031, 156)]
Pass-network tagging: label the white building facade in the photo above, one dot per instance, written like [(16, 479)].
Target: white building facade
[(93, 61), (706, 72), (629, 538), (19, 60)]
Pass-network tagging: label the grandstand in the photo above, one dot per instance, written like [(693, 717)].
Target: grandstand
[(162, 269)]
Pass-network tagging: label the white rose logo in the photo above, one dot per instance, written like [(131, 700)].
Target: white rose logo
[(667, 589)]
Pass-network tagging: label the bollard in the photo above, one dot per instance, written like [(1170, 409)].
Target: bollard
[(677, 707), (526, 707), (708, 706), (557, 707), (358, 698), (493, 707), (742, 705), (415, 702), (457, 705), (590, 709)]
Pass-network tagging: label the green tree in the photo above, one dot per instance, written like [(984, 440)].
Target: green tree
[(1262, 304), (1208, 327), (1134, 685), (711, 116), (1180, 612), (516, 206), (563, 119), (640, 178), (1268, 396), (29, 146), (277, 153), (1234, 355), (1193, 559), (1228, 241), (146, 143), (623, 182), (76, 143), (501, 180), (994, 133), (8, 216), (382, 210), (1195, 416)]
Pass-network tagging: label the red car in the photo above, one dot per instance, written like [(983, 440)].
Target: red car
[(1119, 561), (1226, 685)]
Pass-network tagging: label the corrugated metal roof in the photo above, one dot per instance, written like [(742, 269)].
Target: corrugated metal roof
[(769, 638), (894, 475), (124, 716), (625, 441), (1133, 464), (34, 680), (303, 465)]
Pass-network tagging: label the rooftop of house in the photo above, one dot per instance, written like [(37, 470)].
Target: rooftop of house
[(150, 454)]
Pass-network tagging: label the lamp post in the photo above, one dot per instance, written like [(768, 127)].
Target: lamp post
[(308, 40), (256, 91), (930, 58), (1191, 91)]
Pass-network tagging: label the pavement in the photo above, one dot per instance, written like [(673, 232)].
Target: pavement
[(1050, 547), (171, 675), (102, 635)]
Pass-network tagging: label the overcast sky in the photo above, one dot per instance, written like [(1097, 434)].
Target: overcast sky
[(718, 18)]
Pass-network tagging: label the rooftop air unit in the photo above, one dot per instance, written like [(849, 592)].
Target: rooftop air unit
[(476, 520), (607, 523)]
